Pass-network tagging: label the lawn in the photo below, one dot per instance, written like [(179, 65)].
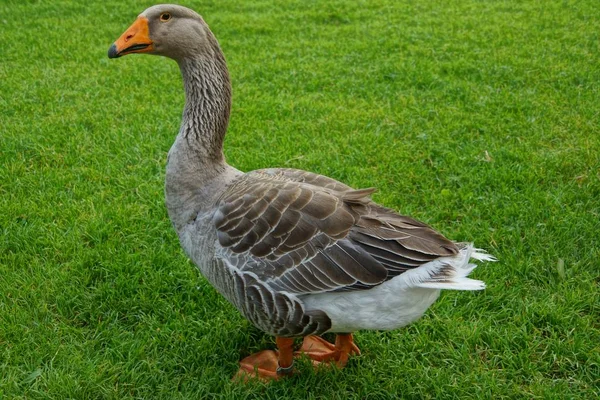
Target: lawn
[(480, 118)]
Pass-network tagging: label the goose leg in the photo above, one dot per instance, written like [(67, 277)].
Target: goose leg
[(344, 344), (268, 365), (319, 350)]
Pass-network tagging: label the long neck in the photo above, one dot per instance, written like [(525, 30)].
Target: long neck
[(207, 105), (196, 167)]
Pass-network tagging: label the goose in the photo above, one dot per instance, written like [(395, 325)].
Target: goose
[(297, 253)]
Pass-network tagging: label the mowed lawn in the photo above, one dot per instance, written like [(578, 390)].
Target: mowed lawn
[(481, 118)]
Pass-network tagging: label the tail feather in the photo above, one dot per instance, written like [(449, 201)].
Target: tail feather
[(451, 272), (455, 284), (482, 255)]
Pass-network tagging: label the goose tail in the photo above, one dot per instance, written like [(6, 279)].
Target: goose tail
[(452, 272)]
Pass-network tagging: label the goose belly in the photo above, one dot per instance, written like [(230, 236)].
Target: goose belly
[(391, 305)]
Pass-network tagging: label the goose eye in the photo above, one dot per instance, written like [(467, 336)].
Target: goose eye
[(165, 17)]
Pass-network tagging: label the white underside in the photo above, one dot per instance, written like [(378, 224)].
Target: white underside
[(401, 300)]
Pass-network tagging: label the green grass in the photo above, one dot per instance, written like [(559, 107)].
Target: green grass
[(478, 117)]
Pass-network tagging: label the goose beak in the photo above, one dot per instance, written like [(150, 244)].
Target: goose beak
[(136, 39)]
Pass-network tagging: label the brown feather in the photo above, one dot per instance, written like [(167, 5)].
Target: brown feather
[(306, 233)]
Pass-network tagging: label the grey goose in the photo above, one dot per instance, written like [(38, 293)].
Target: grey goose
[(297, 253)]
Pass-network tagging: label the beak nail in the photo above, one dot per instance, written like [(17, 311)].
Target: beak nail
[(112, 51)]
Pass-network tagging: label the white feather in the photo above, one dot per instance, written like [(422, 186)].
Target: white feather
[(401, 300)]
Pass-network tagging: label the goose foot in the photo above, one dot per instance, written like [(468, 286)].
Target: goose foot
[(321, 351), (268, 365)]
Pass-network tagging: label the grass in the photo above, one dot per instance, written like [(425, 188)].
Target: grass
[(478, 117)]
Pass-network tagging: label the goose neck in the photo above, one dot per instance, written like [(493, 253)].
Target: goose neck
[(207, 105)]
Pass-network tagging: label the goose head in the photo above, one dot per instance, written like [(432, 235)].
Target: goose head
[(168, 30)]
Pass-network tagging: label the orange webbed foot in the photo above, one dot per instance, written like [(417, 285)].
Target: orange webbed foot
[(321, 351), (262, 365), (268, 365)]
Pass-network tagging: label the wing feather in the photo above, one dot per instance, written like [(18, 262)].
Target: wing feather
[(303, 233)]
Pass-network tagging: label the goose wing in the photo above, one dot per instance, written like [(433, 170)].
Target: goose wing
[(305, 233)]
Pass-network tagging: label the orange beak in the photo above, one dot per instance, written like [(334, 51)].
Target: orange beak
[(136, 39)]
